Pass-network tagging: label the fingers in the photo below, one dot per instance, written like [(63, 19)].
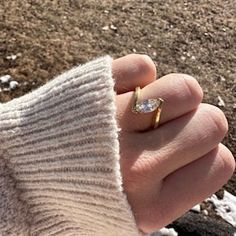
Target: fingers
[(192, 184), (153, 163), (131, 71), (181, 94), (179, 142)]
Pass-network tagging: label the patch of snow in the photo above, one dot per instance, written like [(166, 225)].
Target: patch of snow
[(205, 212), (13, 85), (166, 232), (113, 27), (222, 79), (11, 57), (196, 208), (8, 83), (226, 207), (5, 79), (105, 28), (221, 103)]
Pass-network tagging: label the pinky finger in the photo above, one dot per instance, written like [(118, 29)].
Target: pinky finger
[(193, 183)]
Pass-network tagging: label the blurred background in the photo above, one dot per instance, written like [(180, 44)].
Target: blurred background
[(40, 39)]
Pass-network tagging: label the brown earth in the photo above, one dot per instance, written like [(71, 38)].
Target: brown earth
[(194, 37)]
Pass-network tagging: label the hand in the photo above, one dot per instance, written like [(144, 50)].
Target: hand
[(168, 170)]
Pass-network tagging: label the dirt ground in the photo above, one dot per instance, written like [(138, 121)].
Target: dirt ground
[(194, 37)]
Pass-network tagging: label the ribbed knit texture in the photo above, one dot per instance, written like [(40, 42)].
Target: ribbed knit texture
[(59, 159)]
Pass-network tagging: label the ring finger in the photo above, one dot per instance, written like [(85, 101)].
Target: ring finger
[(181, 94)]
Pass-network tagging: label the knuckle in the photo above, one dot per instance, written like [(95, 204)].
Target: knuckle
[(148, 222), (227, 161), (146, 65), (193, 88), (218, 119)]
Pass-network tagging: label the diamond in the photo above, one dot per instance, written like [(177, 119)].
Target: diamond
[(147, 106)]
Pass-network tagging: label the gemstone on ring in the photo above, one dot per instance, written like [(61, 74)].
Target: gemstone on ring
[(147, 106)]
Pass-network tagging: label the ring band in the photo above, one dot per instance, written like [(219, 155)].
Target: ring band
[(148, 106)]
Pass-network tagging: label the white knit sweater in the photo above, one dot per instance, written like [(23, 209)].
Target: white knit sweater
[(59, 159)]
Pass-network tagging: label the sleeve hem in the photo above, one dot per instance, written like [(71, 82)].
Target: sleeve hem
[(62, 143)]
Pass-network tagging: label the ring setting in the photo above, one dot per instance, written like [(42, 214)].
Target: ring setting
[(148, 106)]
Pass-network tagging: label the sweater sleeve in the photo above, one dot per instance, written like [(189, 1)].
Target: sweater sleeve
[(59, 158)]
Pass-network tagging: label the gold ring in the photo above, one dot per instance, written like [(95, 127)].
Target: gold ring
[(147, 106)]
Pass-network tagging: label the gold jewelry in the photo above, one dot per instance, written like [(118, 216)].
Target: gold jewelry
[(147, 106)]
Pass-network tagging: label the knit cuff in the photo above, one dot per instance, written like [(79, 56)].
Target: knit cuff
[(61, 144)]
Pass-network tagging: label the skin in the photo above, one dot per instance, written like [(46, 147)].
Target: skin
[(168, 170)]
